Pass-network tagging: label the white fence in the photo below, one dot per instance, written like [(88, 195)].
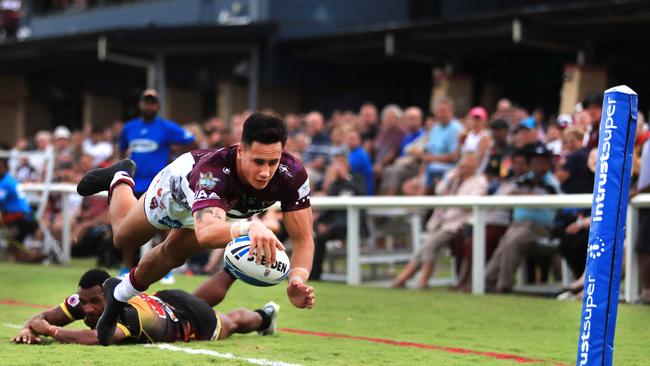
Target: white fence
[(478, 204)]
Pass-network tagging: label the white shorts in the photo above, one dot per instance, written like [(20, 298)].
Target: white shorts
[(168, 200)]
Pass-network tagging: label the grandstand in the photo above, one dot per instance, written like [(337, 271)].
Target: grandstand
[(451, 148)]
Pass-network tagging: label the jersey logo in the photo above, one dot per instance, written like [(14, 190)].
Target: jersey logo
[(304, 190), (73, 300), (207, 181), (285, 169), (226, 170)]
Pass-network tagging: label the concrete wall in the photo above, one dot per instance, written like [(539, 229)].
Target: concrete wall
[(101, 111)]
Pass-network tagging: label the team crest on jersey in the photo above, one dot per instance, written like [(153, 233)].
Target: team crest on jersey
[(154, 203), (207, 180), (285, 170), (73, 300)]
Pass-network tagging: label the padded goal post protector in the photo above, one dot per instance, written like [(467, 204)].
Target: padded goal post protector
[(607, 231)]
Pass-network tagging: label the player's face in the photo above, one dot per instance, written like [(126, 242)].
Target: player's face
[(149, 109), (92, 303), (258, 162), (539, 165)]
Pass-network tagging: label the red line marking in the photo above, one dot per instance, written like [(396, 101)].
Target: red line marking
[(500, 356), (456, 350), (21, 303)]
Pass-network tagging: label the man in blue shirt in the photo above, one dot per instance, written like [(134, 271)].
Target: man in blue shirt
[(16, 214), (440, 154), (147, 141), (359, 161), (528, 224)]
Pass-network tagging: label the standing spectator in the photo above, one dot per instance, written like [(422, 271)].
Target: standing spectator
[(528, 225), (387, 143), (405, 166), (360, 162), (441, 146), (368, 124), (316, 155), (444, 225), (147, 140), (97, 146)]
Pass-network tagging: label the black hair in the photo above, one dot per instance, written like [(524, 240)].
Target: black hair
[(592, 99), (520, 152), (93, 277), (265, 128)]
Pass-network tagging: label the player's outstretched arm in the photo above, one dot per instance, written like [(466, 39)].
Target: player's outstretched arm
[(299, 227), (55, 316), (78, 336), (212, 231)]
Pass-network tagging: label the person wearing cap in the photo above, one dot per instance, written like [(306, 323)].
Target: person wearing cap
[(528, 224), (477, 137), (62, 149), (525, 134), (497, 166), (147, 140)]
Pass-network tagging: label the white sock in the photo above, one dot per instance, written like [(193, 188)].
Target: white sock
[(125, 290), (122, 177)]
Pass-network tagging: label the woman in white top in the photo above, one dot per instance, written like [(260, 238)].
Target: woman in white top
[(476, 138)]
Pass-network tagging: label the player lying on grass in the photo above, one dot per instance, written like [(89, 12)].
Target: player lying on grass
[(193, 195), (166, 316)]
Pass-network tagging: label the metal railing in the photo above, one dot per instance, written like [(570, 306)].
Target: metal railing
[(478, 204)]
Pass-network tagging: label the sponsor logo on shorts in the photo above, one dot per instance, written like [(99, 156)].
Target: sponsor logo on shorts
[(73, 300), (168, 221), (153, 204), (207, 181), (159, 192)]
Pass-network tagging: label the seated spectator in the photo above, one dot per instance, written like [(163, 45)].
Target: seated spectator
[(406, 165), (526, 135), (359, 161), (573, 173), (476, 139), (496, 221), (554, 138), (17, 217), (25, 172), (368, 125), (332, 224), (444, 225), (316, 155), (62, 146), (386, 145), (38, 157), (497, 165), (528, 225), (96, 146), (440, 154)]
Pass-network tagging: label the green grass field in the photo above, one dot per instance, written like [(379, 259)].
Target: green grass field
[(537, 329)]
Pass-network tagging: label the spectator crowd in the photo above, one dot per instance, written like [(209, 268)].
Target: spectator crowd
[(492, 150)]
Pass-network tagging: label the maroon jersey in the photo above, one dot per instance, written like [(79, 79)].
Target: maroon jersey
[(214, 181)]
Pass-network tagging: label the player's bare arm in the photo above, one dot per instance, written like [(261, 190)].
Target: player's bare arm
[(212, 231), (78, 336), (54, 316), (299, 227)]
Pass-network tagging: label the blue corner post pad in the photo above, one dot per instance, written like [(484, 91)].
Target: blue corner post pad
[(607, 231)]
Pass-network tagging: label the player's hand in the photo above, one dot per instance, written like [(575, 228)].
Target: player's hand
[(300, 295), (264, 243), (26, 336), (42, 327)]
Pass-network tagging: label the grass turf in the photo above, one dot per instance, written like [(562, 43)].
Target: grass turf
[(534, 328)]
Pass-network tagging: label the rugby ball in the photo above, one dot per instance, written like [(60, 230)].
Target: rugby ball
[(244, 267)]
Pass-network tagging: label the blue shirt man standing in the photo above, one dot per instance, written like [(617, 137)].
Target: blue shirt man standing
[(147, 140)]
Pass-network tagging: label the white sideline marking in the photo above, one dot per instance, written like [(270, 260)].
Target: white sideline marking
[(230, 356), (13, 326)]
